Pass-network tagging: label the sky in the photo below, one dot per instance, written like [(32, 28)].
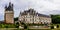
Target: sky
[(46, 7)]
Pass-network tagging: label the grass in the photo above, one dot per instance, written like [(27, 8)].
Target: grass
[(25, 29), (39, 29)]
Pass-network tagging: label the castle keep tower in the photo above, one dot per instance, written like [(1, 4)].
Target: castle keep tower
[(9, 14)]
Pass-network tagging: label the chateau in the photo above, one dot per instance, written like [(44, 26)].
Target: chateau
[(9, 14), (30, 16)]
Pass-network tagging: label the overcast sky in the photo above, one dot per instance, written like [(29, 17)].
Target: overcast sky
[(42, 6)]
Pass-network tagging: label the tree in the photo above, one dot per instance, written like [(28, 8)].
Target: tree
[(55, 19), (17, 25), (16, 19)]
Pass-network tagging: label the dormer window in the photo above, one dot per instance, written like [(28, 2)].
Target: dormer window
[(37, 14)]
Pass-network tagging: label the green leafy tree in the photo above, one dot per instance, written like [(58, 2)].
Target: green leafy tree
[(16, 19), (55, 19), (17, 25)]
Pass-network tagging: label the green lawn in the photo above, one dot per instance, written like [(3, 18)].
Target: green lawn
[(25, 29)]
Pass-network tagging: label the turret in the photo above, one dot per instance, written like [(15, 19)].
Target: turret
[(9, 14), (9, 8)]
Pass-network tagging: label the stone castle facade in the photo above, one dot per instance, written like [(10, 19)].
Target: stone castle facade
[(30, 16), (9, 14)]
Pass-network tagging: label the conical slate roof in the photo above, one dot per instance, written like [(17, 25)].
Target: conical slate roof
[(33, 12)]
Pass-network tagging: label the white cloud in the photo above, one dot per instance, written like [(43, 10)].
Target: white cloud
[(41, 6)]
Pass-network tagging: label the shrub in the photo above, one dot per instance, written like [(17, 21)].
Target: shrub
[(7, 25), (52, 27), (57, 26)]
